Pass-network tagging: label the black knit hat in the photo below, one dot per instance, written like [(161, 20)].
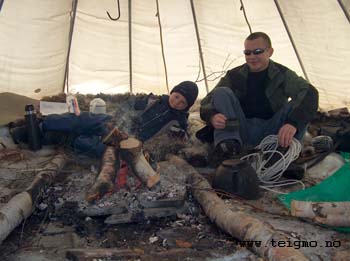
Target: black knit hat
[(189, 90)]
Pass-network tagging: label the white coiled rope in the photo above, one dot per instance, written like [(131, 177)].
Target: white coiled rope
[(269, 173)]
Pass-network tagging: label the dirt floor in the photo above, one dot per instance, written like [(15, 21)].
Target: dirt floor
[(136, 221), (61, 220), (58, 224)]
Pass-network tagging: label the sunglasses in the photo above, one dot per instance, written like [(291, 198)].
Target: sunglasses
[(256, 51)]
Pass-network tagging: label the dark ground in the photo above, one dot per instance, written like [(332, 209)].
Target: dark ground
[(57, 224)]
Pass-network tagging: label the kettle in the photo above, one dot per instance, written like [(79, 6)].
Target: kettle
[(237, 177)]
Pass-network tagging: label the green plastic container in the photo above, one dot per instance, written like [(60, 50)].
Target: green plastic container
[(335, 188)]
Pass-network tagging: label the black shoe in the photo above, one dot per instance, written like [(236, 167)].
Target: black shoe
[(19, 134), (294, 171), (227, 149)]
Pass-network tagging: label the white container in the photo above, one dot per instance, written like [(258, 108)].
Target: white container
[(326, 167), (97, 106)]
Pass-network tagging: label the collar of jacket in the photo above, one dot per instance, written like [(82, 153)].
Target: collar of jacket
[(273, 70)]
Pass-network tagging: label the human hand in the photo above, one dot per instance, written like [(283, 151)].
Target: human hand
[(286, 134), (218, 121)]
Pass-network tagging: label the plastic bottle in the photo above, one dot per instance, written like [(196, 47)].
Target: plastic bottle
[(72, 103), (32, 127)]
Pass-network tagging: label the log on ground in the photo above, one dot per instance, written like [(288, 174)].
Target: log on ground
[(238, 224), (21, 205), (79, 254), (328, 213)]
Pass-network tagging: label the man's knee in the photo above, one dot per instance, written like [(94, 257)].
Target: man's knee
[(223, 92), (224, 95)]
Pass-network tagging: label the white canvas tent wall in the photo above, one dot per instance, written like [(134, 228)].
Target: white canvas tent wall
[(35, 45)]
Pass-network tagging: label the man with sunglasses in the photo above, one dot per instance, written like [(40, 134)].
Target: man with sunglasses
[(257, 99)]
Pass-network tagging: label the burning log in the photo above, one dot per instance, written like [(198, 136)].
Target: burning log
[(328, 213), (131, 152), (21, 205), (238, 224), (105, 179)]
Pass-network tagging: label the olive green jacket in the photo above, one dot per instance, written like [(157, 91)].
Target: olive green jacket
[(282, 86)]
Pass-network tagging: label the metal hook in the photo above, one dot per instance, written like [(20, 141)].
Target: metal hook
[(115, 19)]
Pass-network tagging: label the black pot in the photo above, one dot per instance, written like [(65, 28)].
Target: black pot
[(238, 177)]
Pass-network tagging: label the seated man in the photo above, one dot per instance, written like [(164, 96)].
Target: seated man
[(257, 99), (84, 132)]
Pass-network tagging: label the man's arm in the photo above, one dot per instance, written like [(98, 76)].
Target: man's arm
[(304, 108)]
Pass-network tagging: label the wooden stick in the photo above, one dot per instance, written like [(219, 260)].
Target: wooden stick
[(238, 224), (21, 206), (328, 213), (11, 154), (85, 254), (131, 152), (105, 179)]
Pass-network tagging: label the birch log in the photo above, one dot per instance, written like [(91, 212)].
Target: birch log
[(238, 224), (328, 213), (131, 152), (105, 179), (22, 205)]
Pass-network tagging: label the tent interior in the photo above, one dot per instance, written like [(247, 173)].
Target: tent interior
[(49, 47), (52, 48)]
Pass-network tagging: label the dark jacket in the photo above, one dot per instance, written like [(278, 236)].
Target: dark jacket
[(282, 84), (156, 116)]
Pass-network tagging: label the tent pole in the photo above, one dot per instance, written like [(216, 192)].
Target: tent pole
[(291, 39), (162, 46), (66, 72), (245, 16), (130, 46), (346, 12), (199, 45)]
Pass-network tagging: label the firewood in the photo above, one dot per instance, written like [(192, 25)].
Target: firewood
[(95, 210), (10, 154), (85, 254), (104, 182), (328, 213), (238, 224), (145, 214), (131, 152), (21, 205)]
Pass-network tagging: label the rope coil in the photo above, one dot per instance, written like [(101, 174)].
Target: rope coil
[(270, 163)]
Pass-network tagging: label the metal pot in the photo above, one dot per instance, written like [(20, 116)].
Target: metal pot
[(238, 177)]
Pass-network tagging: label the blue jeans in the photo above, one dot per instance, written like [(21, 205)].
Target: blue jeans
[(251, 131), (87, 130)]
